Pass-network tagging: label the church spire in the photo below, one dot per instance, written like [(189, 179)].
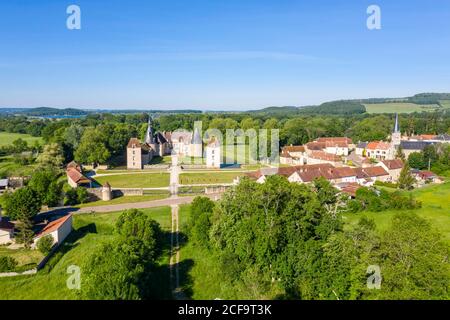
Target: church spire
[(396, 127)]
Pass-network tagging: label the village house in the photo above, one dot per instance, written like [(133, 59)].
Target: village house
[(409, 147), (393, 167), (336, 145), (368, 176), (425, 176), (75, 177), (59, 230), (380, 150), (4, 184), (293, 155), (6, 230), (361, 148), (320, 157)]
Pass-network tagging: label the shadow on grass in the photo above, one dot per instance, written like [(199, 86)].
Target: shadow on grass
[(70, 243)]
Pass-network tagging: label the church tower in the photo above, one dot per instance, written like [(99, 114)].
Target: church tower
[(396, 134)]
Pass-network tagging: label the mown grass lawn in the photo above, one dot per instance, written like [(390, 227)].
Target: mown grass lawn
[(138, 180), (435, 208), (7, 138), (399, 107), (89, 232), (125, 199), (209, 177)]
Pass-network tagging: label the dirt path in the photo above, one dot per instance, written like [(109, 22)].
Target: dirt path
[(177, 292)]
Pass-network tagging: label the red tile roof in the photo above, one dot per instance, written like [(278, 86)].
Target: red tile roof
[(293, 149), (351, 189), (315, 145), (393, 164), (374, 172), (381, 145), (76, 176), (322, 155), (343, 140), (54, 225)]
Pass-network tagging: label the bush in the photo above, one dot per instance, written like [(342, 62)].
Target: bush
[(71, 197), (45, 244), (82, 195), (7, 264)]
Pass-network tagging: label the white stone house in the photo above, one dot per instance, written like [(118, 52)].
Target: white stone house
[(213, 154), (393, 167), (59, 230), (6, 230)]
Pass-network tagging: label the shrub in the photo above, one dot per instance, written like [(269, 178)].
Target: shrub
[(82, 195), (45, 244), (7, 264), (386, 184)]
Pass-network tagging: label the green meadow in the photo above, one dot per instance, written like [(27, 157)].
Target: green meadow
[(6, 138), (399, 107), (136, 180), (90, 230), (435, 209)]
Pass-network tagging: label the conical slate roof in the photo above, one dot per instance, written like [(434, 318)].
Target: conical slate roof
[(149, 136), (196, 138)]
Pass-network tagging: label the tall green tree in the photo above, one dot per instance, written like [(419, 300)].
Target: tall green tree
[(406, 180)]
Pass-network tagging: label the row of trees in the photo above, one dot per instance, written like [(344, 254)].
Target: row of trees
[(435, 157), (288, 241)]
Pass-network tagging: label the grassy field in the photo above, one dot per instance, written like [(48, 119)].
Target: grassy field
[(208, 177), (138, 180), (445, 104), (125, 199), (6, 138), (399, 107), (22, 256), (9, 167), (435, 208), (90, 231)]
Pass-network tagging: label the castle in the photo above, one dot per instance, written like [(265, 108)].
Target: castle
[(180, 142)]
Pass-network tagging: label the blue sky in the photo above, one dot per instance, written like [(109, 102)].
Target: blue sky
[(219, 54)]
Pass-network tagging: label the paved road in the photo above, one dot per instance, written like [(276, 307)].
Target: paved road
[(175, 200)]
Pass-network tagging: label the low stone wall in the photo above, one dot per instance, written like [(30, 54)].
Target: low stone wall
[(193, 166), (127, 192), (156, 166)]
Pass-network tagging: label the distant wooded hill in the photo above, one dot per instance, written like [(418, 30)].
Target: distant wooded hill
[(435, 101)]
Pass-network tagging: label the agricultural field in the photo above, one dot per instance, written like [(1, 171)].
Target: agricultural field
[(136, 180), (89, 232), (445, 104), (435, 208), (6, 138), (399, 107), (209, 177)]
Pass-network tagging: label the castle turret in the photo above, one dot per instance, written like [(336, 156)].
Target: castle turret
[(197, 144), (149, 136), (106, 192)]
